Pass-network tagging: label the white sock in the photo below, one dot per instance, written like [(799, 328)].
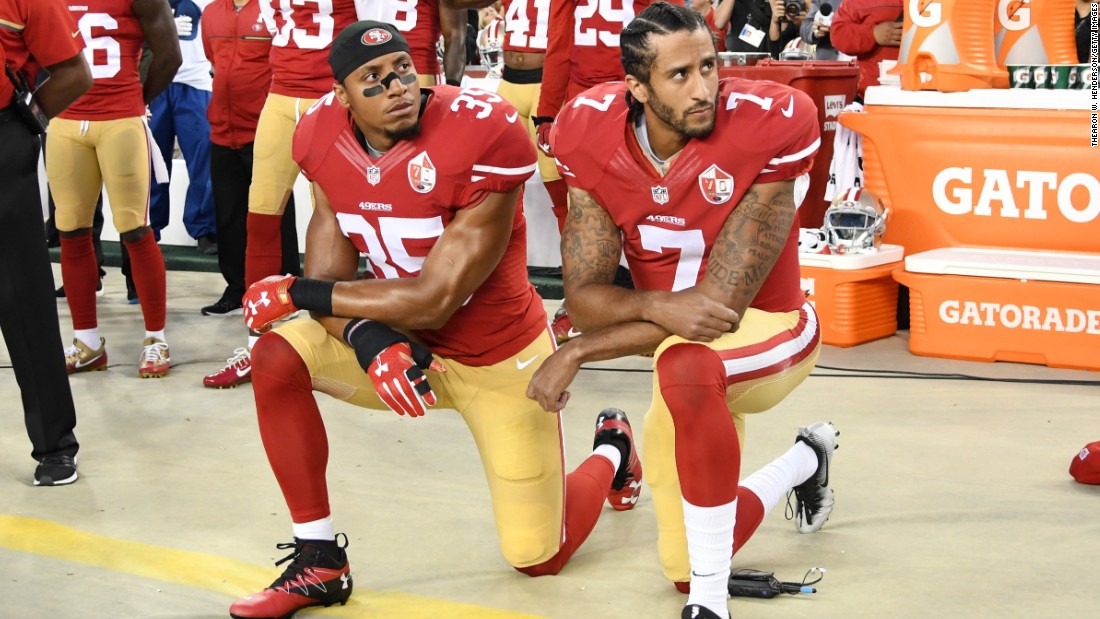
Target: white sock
[(710, 550), (772, 482), (90, 337), (252, 340), (156, 334), (317, 529), (611, 452)]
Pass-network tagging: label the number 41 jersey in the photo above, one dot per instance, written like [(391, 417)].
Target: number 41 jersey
[(396, 208), (764, 132)]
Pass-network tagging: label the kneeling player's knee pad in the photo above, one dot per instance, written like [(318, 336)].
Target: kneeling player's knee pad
[(525, 551), (516, 448)]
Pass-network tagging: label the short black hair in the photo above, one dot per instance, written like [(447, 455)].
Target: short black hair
[(657, 18)]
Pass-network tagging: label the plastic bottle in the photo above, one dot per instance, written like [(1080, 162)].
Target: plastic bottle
[(947, 45), (1034, 32)]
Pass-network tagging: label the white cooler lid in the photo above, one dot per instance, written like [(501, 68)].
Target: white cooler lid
[(1008, 263), (850, 262), (994, 98)]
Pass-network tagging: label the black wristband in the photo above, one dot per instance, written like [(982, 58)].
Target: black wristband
[(538, 120), (312, 295), (369, 338), (451, 82)]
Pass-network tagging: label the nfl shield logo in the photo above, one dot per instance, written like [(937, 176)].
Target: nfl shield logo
[(374, 175), (716, 185), (421, 173), (660, 195)]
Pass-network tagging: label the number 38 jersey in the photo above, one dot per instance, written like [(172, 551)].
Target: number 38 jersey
[(302, 32), (113, 38), (764, 132), (394, 209)]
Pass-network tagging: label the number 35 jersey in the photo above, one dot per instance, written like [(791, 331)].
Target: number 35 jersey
[(113, 38), (396, 208), (764, 132)]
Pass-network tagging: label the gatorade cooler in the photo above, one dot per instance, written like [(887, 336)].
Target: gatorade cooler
[(1003, 305), (947, 45), (832, 86), (1033, 32), (855, 296)]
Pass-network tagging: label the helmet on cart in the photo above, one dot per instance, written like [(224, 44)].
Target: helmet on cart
[(854, 222)]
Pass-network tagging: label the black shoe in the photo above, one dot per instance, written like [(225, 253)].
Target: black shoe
[(99, 291), (223, 307), (613, 428), (131, 292), (55, 471), (695, 611), (318, 576), (208, 245)]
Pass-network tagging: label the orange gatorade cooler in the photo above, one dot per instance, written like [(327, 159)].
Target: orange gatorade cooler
[(947, 45), (855, 295), (1033, 32)]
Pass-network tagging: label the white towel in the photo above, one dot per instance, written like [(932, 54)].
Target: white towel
[(846, 168)]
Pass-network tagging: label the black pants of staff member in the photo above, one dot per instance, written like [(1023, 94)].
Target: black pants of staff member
[(28, 308), (230, 177)]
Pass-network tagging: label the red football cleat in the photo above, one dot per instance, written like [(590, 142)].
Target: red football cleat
[(237, 371), (612, 427), (318, 576), (562, 326)]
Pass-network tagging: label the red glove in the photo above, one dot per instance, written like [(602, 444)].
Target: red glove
[(267, 301), (542, 136), (395, 366)]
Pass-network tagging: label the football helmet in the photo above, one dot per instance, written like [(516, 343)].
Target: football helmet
[(854, 222), (490, 48)]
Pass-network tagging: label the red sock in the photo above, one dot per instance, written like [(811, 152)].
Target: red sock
[(263, 247), (750, 513), (79, 273), (708, 453), (559, 200), (585, 491), (147, 265), (291, 427)]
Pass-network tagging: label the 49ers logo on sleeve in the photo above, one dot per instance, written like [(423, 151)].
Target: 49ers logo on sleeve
[(421, 173), (716, 185), (376, 36)]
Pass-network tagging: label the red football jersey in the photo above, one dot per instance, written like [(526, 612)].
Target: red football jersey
[(418, 21), (764, 132), (583, 48), (395, 208), (34, 34), (526, 25), (302, 32), (113, 37)]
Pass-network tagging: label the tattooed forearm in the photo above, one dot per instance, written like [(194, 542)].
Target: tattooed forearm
[(749, 244), (591, 244)]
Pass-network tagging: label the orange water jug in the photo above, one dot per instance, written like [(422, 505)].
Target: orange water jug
[(1033, 32), (947, 45)]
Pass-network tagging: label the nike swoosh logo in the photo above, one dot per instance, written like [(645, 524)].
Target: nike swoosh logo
[(242, 372), (88, 362), (76, 34), (511, 117), (790, 108), (521, 365), (572, 332)]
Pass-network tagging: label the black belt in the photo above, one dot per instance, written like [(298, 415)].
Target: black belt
[(522, 76), (7, 114)]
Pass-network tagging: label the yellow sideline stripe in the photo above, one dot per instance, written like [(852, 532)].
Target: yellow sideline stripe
[(221, 575)]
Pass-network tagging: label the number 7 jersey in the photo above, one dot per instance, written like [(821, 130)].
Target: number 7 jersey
[(764, 132), (113, 38), (395, 208)]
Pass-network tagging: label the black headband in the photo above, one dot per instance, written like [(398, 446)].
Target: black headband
[(362, 42)]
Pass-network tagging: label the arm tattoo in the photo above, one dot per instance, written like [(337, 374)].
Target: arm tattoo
[(749, 244), (591, 244)]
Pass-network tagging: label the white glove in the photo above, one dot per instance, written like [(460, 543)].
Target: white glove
[(184, 26)]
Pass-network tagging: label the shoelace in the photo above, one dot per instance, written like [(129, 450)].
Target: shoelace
[(241, 354), (154, 353)]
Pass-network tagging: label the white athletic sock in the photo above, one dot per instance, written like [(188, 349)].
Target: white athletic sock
[(252, 340), (772, 482), (156, 334), (710, 550), (611, 452), (90, 337), (318, 529)]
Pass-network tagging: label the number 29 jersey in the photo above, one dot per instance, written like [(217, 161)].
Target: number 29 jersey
[(395, 208), (764, 132), (113, 38)]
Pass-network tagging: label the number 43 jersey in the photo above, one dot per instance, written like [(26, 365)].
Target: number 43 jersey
[(395, 208), (764, 132), (113, 38)]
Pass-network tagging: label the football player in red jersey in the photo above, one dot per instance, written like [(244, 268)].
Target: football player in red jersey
[(103, 140), (388, 183), (302, 34), (422, 22), (692, 178)]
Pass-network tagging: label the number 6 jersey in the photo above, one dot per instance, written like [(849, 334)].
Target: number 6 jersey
[(395, 208), (113, 38), (764, 132)]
